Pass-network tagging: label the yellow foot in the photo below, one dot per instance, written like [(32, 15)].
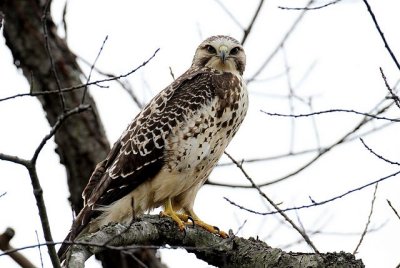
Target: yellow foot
[(209, 228), (180, 219), (196, 221), (175, 218)]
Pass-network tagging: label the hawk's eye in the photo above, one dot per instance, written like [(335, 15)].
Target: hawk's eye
[(234, 51), (211, 49)]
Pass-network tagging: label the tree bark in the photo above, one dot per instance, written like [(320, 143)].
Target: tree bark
[(232, 252), (81, 141)]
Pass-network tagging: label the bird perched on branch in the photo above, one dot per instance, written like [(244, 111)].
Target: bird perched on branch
[(170, 148)]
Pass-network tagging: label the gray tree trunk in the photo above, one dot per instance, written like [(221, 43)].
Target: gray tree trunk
[(81, 141)]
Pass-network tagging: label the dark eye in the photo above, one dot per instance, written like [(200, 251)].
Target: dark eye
[(211, 49), (234, 51)]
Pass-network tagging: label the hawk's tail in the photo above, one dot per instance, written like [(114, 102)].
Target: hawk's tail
[(62, 251)]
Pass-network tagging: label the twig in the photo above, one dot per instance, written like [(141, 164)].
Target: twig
[(278, 47), (229, 14), (368, 221), (39, 249), (310, 8), (302, 233), (124, 84), (82, 85), (290, 99), (381, 34), (393, 95), (48, 50), (91, 69), (171, 73), (394, 210), (378, 155), (332, 111), (55, 127), (248, 29), (315, 204)]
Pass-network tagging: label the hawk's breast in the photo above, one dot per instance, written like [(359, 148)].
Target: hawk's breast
[(195, 147)]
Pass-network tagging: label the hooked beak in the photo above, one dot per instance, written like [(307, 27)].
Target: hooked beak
[(223, 51)]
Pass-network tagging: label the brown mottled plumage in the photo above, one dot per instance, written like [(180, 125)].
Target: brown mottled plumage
[(172, 145)]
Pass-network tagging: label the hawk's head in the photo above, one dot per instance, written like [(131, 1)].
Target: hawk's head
[(222, 53)]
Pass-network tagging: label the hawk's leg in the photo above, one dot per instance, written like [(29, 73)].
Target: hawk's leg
[(202, 224), (180, 219)]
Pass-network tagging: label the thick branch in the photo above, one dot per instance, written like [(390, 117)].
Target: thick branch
[(232, 252)]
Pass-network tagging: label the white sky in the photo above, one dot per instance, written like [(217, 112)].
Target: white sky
[(347, 51)]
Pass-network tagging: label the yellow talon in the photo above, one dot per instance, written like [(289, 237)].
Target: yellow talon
[(205, 226), (178, 218)]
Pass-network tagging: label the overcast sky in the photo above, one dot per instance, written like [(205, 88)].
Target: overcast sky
[(333, 57)]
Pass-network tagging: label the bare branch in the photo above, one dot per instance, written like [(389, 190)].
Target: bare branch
[(394, 210), (301, 232), (310, 8), (82, 85), (278, 47), (124, 84), (248, 29), (48, 49), (392, 94), (14, 159), (171, 73), (16, 256), (91, 68), (55, 127), (378, 155), (315, 204), (333, 111), (368, 221), (229, 14), (381, 34), (39, 249)]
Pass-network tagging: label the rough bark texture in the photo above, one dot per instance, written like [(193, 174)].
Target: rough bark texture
[(231, 252), (81, 141)]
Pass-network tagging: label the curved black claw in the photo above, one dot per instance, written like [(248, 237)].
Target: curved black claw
[(192, 220)]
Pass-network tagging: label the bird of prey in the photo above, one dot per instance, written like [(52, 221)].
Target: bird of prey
[(170, 148)]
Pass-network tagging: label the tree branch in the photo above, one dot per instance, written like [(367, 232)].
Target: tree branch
[(16, 256), (381, 34), (232, 252)]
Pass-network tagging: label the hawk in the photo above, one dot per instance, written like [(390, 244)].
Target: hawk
[(170, 148)]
